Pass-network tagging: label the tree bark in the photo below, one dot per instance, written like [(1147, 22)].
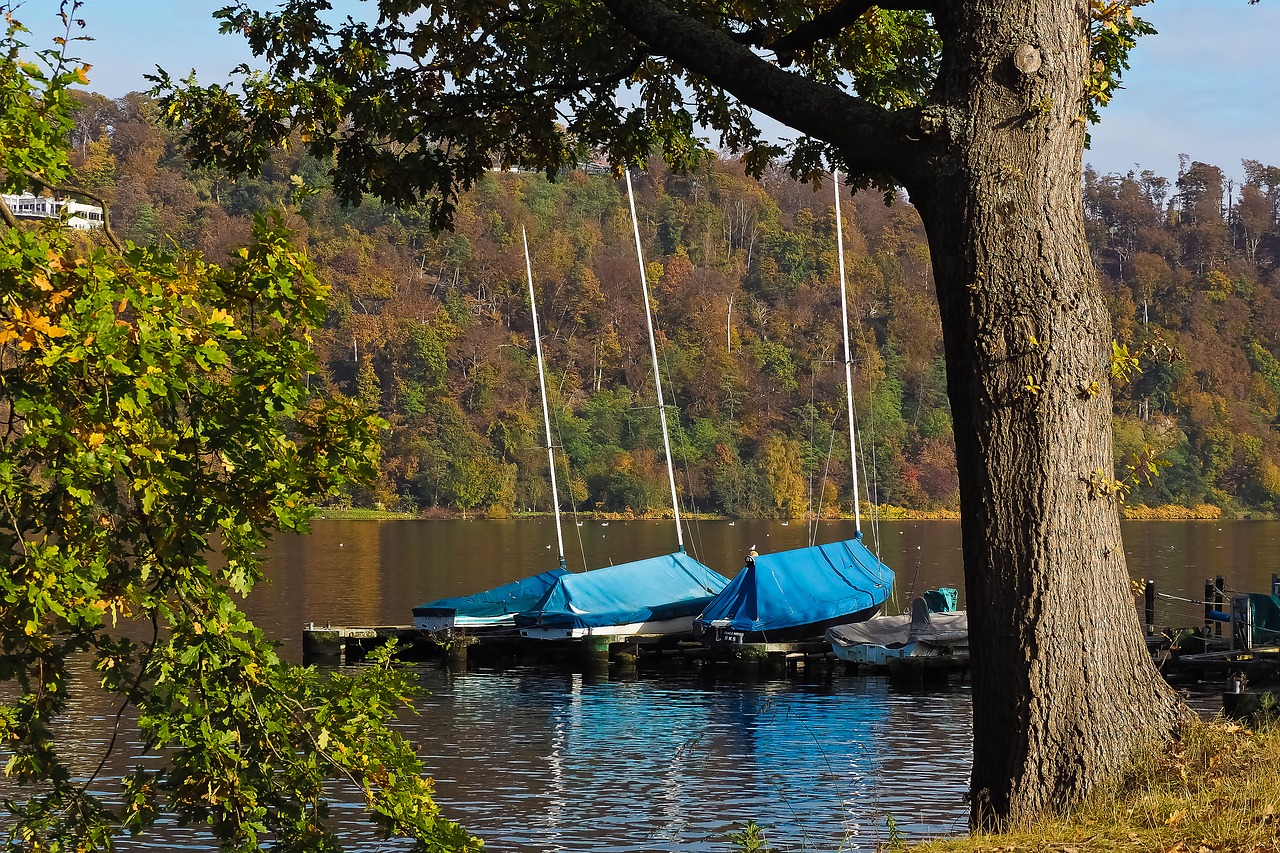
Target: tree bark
[(1064, 691), (1063, 688)]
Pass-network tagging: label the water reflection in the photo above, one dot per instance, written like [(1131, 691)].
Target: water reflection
[(553, 760), (557, 761)]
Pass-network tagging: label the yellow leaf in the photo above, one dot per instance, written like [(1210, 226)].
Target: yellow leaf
[(1176, 817), (96, 439)]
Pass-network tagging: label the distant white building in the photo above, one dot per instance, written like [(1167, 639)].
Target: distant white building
[(84, 217)]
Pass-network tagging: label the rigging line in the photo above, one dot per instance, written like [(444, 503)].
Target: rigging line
[(692, 522), (873, 494), (542, 387), (653, 352), (871, 478), (568, 478), (826, 471), (568, 467), (848, 384), (1168, 597), (848, 352), (810, 522)]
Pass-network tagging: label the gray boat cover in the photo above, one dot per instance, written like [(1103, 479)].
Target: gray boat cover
[(921, 626)]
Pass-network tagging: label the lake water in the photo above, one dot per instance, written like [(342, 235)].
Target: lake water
[(543, 760)]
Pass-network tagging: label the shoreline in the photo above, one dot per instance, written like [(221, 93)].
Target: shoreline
[(1136, 512)]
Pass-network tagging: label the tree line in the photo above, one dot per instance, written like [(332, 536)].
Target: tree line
[(434, 331)]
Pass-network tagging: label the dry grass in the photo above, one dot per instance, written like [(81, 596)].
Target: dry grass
[(1216, 789), (1169, 512)]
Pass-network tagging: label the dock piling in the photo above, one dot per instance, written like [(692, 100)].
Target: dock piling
[(595, 650), (1208, 608), (1275, 584), (1149, 599), (1219, 601)]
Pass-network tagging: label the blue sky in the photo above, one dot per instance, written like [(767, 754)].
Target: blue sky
[(1206, 86)]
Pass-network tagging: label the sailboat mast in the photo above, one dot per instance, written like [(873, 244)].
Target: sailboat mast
[(657, 379), (542, 386), (848, 356)]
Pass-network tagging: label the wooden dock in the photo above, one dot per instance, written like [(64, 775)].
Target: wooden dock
[(343, 645), (1220, 649)]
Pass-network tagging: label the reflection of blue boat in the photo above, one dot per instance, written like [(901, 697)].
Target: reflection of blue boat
[(660, 595), (493, 608), (797, 594)]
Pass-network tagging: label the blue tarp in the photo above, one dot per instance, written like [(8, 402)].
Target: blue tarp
[(658, 588), (803, 586), (508, 598)]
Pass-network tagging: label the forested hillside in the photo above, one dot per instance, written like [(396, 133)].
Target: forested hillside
[(435, 330)]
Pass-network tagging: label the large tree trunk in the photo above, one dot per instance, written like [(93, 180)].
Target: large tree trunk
[(1063, 689)]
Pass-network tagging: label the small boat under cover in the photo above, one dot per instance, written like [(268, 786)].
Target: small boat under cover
[(920, 633), (797, 594), (492, 609), (658, 595)]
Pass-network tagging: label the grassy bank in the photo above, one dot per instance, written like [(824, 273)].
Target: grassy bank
[(1216, 789), (360, 514), (1169, 512)]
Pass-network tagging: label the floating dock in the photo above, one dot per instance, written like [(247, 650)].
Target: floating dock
[(1230, 644), (343, 645)]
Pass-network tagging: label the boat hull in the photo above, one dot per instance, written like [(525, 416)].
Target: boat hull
[(654, 628), (444, 624), (866, 654), (726, 635)]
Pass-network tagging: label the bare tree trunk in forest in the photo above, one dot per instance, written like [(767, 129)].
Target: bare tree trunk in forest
[(1063, 688)]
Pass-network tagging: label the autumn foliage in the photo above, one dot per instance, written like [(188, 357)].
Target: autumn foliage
[(434, 329)]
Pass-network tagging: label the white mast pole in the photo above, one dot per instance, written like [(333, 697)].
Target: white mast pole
[(848, 356), (653, 351), (542, 386)]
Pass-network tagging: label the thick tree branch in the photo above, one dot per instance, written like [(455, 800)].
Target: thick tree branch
[(871, 138), (835, 19), (6, 215)]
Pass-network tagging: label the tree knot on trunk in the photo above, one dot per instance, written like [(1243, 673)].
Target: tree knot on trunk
[(1026, 59)]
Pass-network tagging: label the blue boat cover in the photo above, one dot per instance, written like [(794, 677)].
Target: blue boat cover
[(666, 587), (508, 598), (799, 587)]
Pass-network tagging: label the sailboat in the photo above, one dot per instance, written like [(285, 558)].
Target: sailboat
[(656, 596), (496, 608), (798, 594)]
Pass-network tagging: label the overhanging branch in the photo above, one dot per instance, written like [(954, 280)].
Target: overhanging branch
[(6, 215), (871, 138), (106, 216), (835, 19)]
